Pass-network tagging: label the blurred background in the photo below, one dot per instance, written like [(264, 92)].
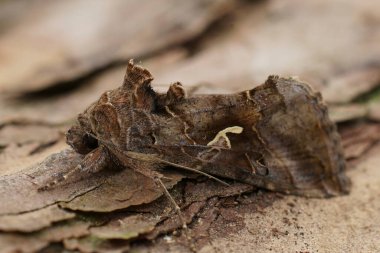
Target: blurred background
[(56, 57)]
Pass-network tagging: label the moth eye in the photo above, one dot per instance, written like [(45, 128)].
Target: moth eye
[(90, 141), (80, 141)]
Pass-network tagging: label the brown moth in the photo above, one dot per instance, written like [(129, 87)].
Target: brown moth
[(277, 136)]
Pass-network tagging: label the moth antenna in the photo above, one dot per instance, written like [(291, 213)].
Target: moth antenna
[(192, 170)]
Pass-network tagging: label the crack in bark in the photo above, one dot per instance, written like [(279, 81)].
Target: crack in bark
[(93, 188), (55, 203)]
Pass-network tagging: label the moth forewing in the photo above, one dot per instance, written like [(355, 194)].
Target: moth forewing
[(284, 140), (276, 136)]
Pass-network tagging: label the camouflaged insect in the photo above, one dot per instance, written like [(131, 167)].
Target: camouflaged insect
[(277, 136)]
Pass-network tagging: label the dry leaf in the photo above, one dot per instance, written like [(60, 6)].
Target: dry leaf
[(344, 88), (75, 42), (17, 242), (374, 111), (126, 227), (347, 112), (121, 190), (21, 134), (358, 139), (16, 157), (103, 192), (34, 220), (310, 39), (18, 191)]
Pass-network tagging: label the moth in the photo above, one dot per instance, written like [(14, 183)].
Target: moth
[(276, 136)]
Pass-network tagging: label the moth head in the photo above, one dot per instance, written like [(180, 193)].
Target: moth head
[(113, 111), (80, 136), (81, 141), (99, 122)]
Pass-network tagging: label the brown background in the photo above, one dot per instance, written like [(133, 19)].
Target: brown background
[(56, 57)]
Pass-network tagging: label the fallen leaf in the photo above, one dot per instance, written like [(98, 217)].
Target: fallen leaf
[(313, 40), (19, 191), (109, 31), (35, 220), (16, 157), (374, 111), (21, 134), (102, 192), (358, 139), (127, 227), (33, 242), (89, 244), (196, 196), (347, 112), (10, 243), (121, 190), (345, 87)]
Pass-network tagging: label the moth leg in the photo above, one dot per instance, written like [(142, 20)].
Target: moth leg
[(148, 169), (158, 181), (257, 167), (171, 199), (250, 164), (156, 177), (93, 162)]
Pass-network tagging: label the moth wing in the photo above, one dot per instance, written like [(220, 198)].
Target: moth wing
[(294, 147), (300, 144)]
